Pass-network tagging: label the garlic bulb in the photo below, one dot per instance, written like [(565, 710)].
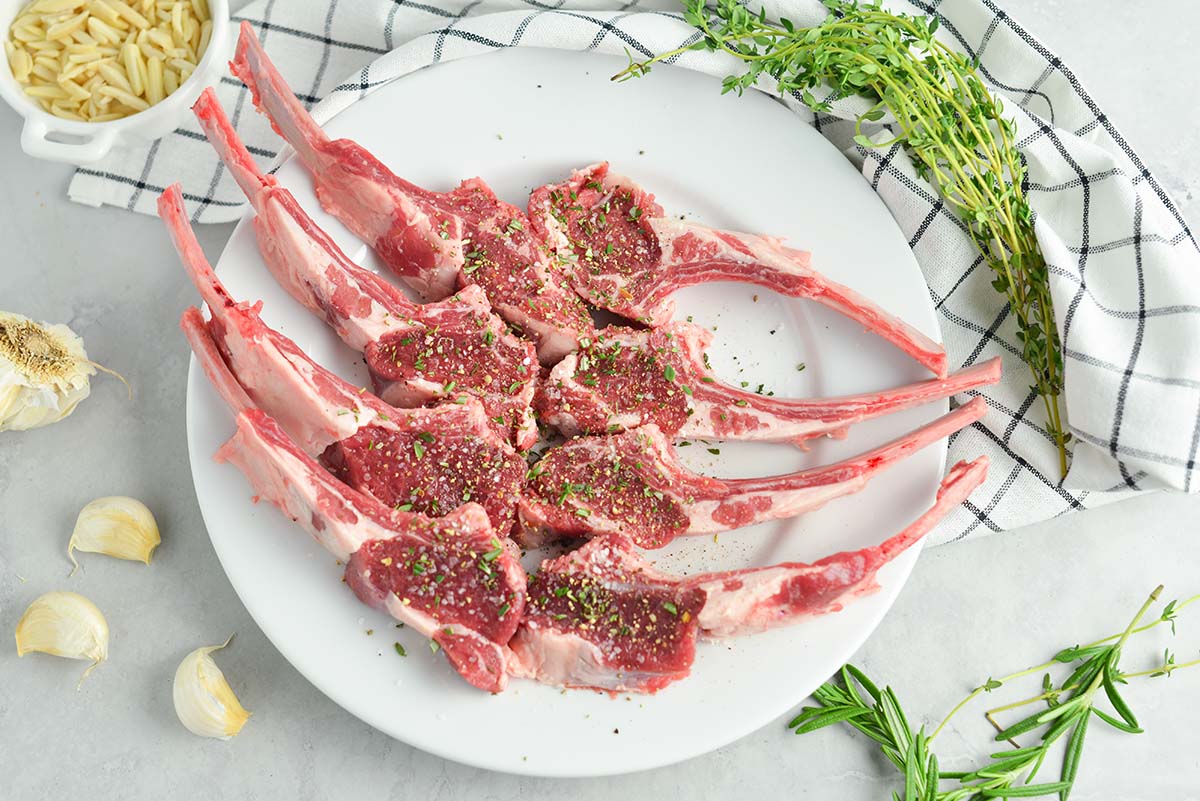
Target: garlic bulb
[(204, 701), (115, 526), (64, 624), (44, 372)]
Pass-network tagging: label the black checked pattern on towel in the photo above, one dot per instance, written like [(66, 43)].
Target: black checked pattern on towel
[(1119, 250)]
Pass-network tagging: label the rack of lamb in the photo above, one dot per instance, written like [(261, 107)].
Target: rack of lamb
[(426, 489)]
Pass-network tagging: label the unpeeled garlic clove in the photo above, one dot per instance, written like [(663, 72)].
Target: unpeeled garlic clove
[(115, 526), (44, 372), (64, 624), (204, 701)]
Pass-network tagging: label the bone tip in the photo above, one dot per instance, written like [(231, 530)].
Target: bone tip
[(170, 202), (206, 103), (245, 46), (190, 319), (972, 472), (977, 406), (248, 45)]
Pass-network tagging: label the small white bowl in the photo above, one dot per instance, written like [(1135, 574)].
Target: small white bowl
[(46, 136)]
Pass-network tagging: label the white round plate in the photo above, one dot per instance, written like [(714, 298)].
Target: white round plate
[(522, 118)]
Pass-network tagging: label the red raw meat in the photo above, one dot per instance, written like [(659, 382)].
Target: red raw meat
[(603, 617), (632, 484), (625, 255), (631, 377), (435, 241), (428, 460), (452, 579), (416, 354)]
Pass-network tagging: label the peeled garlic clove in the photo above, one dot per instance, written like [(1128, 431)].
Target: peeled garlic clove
[(204, 701), (64, 624), (115, 526), (44, 372)]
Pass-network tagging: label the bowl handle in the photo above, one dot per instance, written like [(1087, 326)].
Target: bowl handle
[(36, 142)]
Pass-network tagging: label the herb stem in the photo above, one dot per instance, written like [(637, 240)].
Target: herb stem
[(990, 685), (999, 728), (1050, 695), (1161, 669), (1177, 607), (1124, 635)]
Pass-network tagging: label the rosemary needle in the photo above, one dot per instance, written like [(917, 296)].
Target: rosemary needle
[(1064, 710)]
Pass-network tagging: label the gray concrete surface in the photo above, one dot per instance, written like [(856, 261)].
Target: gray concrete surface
[(970, 611)]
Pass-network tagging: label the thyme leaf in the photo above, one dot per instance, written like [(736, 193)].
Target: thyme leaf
[(938, 110)]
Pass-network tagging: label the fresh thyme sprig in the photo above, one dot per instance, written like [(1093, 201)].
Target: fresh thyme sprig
[(1069, 709), (949, 123)]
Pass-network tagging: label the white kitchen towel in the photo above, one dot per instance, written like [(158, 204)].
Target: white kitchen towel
[(1125, 269)]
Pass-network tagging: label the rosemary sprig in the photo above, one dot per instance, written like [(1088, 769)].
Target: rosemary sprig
[(952, 127), (1068, 710)]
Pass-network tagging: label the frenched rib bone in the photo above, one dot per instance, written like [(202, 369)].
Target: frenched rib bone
[(632, 377), (435, 241), (417, 354), (625, 255), (741, 602), (603, 617), (632, 484), (452, 579), (430, 460)]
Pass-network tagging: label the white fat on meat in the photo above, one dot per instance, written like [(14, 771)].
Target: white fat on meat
[(308, 497), (306, 269)]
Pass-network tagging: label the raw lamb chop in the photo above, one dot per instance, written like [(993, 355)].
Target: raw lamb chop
[(435, 241), (416, 354), (602, 617), (451, 578), (625, 255), (428, 460), (632, 484), (630, 377)]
